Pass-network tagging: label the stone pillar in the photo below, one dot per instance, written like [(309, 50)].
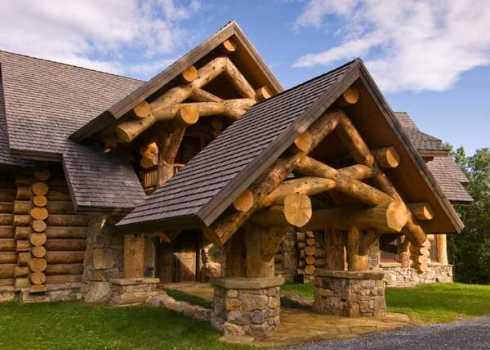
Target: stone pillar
[(350, 293), (247, 306), (103, 259)]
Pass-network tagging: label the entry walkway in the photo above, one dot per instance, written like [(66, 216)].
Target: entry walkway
[(301, 325)]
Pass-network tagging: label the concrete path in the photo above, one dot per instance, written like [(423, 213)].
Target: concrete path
[(464, 335)]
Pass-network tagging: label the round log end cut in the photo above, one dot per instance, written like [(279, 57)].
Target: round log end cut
[(142, 110), (39, 213), (297, 209), (229, 45), (40, 201), (396, 215), (303, 142), (40, 188), (38, 226), (351, 95), (190, 74), (263, 93), (38, 252), (38, 278), (189, 114), (244, 202)]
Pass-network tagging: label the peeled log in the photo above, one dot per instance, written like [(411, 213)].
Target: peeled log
[(6, 219), (303, 142), (306, 185), (6, 231), (229, 45), (357, 172), (297, 209), (23, 245), (21, 271), (8, 257), (57, 244), (244, 202), (67, 220), (7, 245), (37, 278), (38, 239), (200, 95), (40, 201), (64, 269), (23, 192), (39, 213), (422, 211), (387, 157), (239, 80), (23, 258), (40, 188), (263, 93), (22, 220), (142, 110), (385, 218), (354, 142), (22, 232), (38, 226), (189, 74), (65, 257), (66, 232), (356, 262), (38, 288), (38, 252), (7, 271), (38, 264), (21, 283), (321, 128), (350, 96)]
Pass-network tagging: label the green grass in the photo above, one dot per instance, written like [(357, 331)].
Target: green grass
[(190, 298), (80, 326), (429, 302)]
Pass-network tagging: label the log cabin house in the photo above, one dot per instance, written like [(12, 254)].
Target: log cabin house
[(111, 185)]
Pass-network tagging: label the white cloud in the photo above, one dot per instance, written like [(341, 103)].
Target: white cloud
[(94, 33), (407, 45)]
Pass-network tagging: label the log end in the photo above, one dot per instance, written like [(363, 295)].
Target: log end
[(297, 209), (397, 215), (263, 93), (229, 45), (142, 110), (303, 142), (42, 175), (387, 157), (244, 202), (351, 95), (190, 74), (188, 114)]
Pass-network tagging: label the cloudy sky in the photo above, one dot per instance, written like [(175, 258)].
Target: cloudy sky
[(431, 58)]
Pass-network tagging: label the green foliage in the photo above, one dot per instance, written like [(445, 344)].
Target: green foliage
[(470, 251), (81, 326)]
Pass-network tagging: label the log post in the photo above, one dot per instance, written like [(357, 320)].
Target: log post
[(441, 245), (356, 261), (335, 246)]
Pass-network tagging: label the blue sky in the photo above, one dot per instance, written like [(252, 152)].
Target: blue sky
[(431, 58)]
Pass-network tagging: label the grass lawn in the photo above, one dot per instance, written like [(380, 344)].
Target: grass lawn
[(80, 326), (430, 302)]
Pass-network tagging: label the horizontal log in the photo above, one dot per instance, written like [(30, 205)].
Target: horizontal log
[(62, 279), (59, 244), (8, 257), (200, 95), (23, 258), (60, 207), (64, 269), (387, 157), (7, 231), (38, 252), (7, 270), (21, 283), (23, 232), (22, 207), (306, 185), (357, 172), (39, 213), (422, 211), (23, 192), (21, 271), (7, 245), (38, 288), (22, 220), (67, 220), (6, 207), (189, 74), (64, 257), (66, 232), (6, 219)]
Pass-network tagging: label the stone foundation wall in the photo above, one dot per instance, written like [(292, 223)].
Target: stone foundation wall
[(397, 276), (351, 294), (133, 291), (247, 306)]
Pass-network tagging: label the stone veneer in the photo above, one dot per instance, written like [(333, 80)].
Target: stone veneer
[(133, 291), (398, 276), (247, 306), (349, 293)]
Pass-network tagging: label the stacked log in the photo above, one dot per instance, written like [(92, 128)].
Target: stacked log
[(306, 247), (39, 214), (22, 221), (8, 255), (66, 234)]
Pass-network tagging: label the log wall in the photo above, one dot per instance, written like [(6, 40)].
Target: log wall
[(42, 239)]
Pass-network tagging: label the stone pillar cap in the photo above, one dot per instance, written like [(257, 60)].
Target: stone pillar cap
[(357, 275), (247, 283), (134, 281)]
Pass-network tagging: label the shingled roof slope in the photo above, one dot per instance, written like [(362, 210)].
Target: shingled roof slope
[(448, 174), (421, 140), (45, 102), (450, 178), (240, 146)]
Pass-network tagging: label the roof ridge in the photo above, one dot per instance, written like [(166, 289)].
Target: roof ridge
[(70, 65)]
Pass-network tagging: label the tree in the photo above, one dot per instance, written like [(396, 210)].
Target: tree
[(470, 251)]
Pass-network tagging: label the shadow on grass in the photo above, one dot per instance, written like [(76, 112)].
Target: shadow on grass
[(190, 298)]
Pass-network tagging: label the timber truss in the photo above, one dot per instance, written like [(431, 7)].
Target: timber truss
[(181, 107), (291, 193)]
